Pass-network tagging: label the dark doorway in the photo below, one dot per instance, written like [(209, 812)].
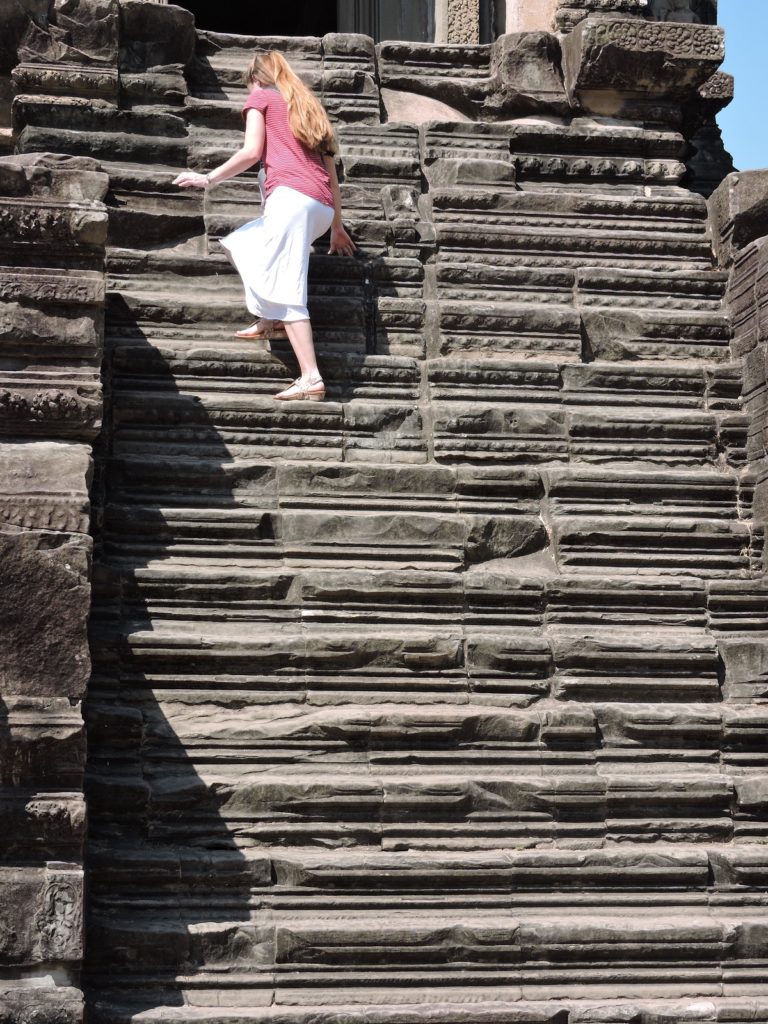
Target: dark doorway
[(295, 18)]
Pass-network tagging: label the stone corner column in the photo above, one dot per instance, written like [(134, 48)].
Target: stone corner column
[(530, 15), (738, 219), (457, 21), (52, 294)]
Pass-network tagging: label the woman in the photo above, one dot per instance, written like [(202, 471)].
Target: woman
[(287, 128)]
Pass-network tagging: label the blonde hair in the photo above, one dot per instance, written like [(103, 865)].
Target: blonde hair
[(306, 115)]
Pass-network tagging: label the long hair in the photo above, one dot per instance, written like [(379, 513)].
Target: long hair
[(306, 116)]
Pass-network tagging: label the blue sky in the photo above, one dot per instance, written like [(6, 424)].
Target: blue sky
[(744, 122)]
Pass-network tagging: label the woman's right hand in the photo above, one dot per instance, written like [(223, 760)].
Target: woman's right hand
[(341, 243)]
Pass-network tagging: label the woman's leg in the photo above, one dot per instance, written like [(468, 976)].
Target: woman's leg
[(262, 327), (300, 337), (310, 384)]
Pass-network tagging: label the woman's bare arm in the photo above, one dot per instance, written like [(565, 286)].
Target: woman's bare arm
[(341, 243), (245, 157)]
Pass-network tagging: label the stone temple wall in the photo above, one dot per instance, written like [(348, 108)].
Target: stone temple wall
[(52, 292), (443, 701)]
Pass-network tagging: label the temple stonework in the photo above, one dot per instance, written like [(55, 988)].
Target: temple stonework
[(443, 701)]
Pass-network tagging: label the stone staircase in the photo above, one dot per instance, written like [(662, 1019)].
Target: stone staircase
[(429, 704)]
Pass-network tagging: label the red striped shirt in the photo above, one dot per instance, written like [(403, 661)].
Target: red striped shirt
[(286, 160)]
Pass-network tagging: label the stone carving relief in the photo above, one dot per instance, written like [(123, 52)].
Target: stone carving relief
[(719, 87), (678, 40), (463, 21), (59, 921)]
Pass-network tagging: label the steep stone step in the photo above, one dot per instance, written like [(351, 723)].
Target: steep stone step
[(712, 494), (655, 545), (370, 878), (318, 485), (182, 796), (618, 287), (448, 661), (295, 661), (651, 289), (548, 955), (244, 727), (526, 434), (503, 328), (60, 125), (617, 541), (494, 1013), (571, 229), (246, 425), (253, 427), (505, 1008), (487, 596), (339, 68), (492, 938), (206, 354), (415, 540)]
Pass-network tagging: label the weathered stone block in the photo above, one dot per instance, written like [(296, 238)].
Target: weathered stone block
[(503, 537), (49, 1005), (41, 740), (746, 669), (99, 84), (41, 827), (15, 18), (527, 66), (739, 211), (645, 59), (41, 660), (81, 32), (44, 916), (154, 35)]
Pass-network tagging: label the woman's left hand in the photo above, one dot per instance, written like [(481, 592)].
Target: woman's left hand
[(341, 243), (191, 179)]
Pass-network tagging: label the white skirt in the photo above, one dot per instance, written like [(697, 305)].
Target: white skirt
[(272, 253)]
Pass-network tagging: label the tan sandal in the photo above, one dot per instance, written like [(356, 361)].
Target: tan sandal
[(263, 330), (312, 390)]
